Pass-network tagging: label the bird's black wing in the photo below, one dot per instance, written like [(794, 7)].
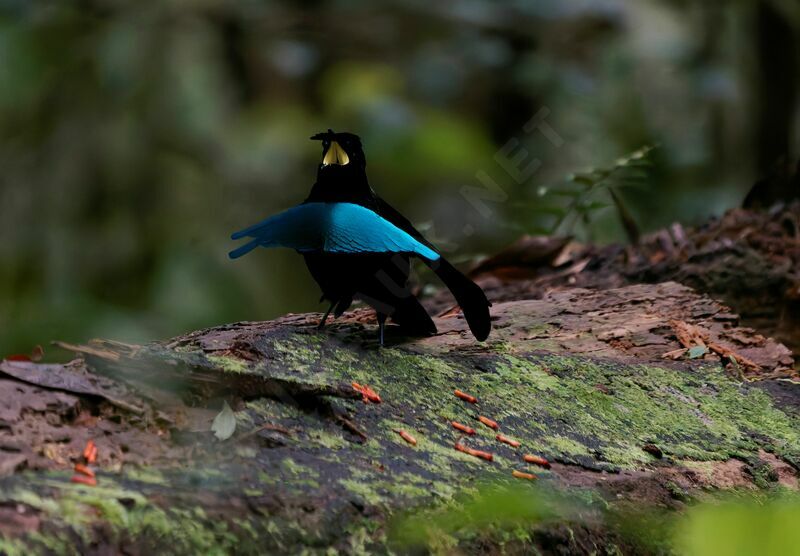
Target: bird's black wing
[(468, 294)]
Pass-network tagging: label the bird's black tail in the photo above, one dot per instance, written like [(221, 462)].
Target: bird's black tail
[(412, 317), (469, 296)]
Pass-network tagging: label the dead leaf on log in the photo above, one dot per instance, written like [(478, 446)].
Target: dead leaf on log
[(224, 424), (697, 352)]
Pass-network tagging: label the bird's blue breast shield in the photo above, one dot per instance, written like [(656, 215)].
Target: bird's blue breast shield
[(344, 228)]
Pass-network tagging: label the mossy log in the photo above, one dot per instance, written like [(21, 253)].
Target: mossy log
[(578, 377)]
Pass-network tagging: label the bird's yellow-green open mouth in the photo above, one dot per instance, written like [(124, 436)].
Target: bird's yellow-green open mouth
[(335, 155)]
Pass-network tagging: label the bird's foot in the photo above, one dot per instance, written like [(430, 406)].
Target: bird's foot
[(324, 318), (381, 328)]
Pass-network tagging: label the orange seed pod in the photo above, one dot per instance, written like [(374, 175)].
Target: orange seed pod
[(465, 396)]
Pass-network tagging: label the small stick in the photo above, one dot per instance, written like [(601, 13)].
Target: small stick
[(537, 460), (463, 428), (465, 396), (407, 437), (477, 453), (488, 422), (276, 428), (349, 425), (507, 440), (521, 475)]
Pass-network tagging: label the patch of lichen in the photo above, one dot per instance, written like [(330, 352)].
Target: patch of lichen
[(564, 406), (570, 407), (228, 364)]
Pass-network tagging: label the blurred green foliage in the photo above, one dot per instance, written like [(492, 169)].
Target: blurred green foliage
[(135, 136), (742, 528), (742, 524)]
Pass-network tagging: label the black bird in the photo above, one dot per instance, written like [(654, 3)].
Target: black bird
[(354, 253)]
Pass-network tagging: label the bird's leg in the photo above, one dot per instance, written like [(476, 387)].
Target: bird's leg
[(321, 324), (381, 325)]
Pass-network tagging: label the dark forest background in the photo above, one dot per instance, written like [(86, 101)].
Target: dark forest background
[(136, 136)]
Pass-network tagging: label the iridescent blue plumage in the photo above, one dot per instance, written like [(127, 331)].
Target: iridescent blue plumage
[(331, 228)]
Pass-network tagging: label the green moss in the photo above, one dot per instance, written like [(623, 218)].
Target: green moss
[(764, 476), (327, 439), (145, 475), (564, 446), (229, 364), (366, 492), (126, 513), (300, 475)]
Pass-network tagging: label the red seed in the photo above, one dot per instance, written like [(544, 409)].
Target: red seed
[(92, 455), (521, 475), (477, 453), (36, 355), (463, 428), (369, 394), (360, 389), (87, 451), (488, 422), (537, 460), (80, 479), (465, 396), (407, 437), (83, 470), (507, 440)]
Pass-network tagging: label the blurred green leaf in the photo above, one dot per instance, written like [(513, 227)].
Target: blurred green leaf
[(696, 352), (743, 528)]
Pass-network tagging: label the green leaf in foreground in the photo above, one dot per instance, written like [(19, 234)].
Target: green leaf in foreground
[(224, 423)]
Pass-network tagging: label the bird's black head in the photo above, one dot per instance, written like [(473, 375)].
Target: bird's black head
[(340, 149), (342, 174)]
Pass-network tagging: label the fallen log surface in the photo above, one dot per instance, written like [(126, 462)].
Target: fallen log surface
[(643, 394), (747, 259)]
